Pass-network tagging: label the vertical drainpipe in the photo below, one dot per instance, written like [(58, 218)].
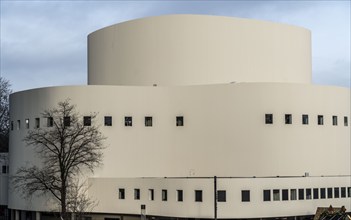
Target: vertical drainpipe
[(215, 197)]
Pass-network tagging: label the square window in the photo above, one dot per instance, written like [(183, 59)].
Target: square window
[(11, 125), (322, 191), (293, 194), (320, 119), (198, 195), (18, 124), (336, 192), (305, 119), (285, 194), (137, 194), (180, 121), (330, 193), (49, 122), (128, 121), (346, 121), (87, 121), (148, 121), (221, 196), (266, 195), (308, 194), (301, 194), (108, 121), (288, 119), (37, 122), (164, 195), (27, 123), (151, 194), (335, 120), (276, 195), (180, 195), (343, 192), (269, 118), (245, 195), (315, 193), (121, 193), (67, 121)]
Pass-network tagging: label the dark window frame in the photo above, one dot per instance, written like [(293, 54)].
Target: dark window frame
[(245, 196), (335, 120), (301, 193), (221, 195), (66, 121), (121, 193), (37, 123), (288, 119), (87, 120), (49, 122), (148, 121), (266, 195), (198, 196), (269, 118), (320, 120), (108, 120), (179, 121), (128, 121), (315, 193), (323, 194), (164, 195), (305, 119), (179, 195), (285, 194), (136, 194)]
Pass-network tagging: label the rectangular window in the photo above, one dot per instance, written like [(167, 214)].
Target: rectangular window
[(151, 194), (137, 194), (128, 121), (121, 193), (269, 118), (67, 121), (315, 193), (245, 195), (285, 194), (27, 123), (301, 194), (49, 122), (37, 122), (221, 196), (108, 121), (198, 195), (164, 195), (148, 121), (348, 191), (343, 192), (276, 195), (4, 169), (305, 119), (335, 120), (322, 191), (320, 119), (266, 195), (336, 192), (308, 194), (180, 121), (288, 119), (11, 125), (180, 195), (87, 121), (293, 194), (330, 193), (346, 122), (18, 124)]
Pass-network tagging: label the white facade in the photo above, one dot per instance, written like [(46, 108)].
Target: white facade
[(223, 77)]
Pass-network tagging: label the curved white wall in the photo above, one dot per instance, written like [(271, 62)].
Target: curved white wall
[(196, 50)]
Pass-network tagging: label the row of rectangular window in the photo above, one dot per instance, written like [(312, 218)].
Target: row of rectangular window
[(305, 119), (87, 121), (306, 194)]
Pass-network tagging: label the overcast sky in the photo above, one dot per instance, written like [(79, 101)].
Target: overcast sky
[(44, 43)]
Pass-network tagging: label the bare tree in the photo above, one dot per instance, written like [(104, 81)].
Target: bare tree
[(4, 114), (66, 147)]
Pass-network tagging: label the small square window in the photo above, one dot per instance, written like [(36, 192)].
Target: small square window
[(308, 194), (67, 121), (346, 121), (293, 194), (4, 169), (305, 119), (285, 194), (343, 192), (276, 195), (288, 119), (37, 122), (49, 122), (128, 121), (320, 120), (108, 120), (87, 121), (336, 192), (335, 120), (222, 196), (266, 195), (27, 123), (164, 195), (245, 195), (269, 118), (148, 121), (18, 124), (198, 195), (301, 194), (11, 125), (330, 193), (322, 191), (315, 193), (121, 193), (137, 194), (151, 194), (180, 195), (180, 121)]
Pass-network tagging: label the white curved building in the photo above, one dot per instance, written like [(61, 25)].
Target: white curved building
[(184, 98)]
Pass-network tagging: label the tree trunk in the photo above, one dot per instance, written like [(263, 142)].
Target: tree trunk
[(64, 215)]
